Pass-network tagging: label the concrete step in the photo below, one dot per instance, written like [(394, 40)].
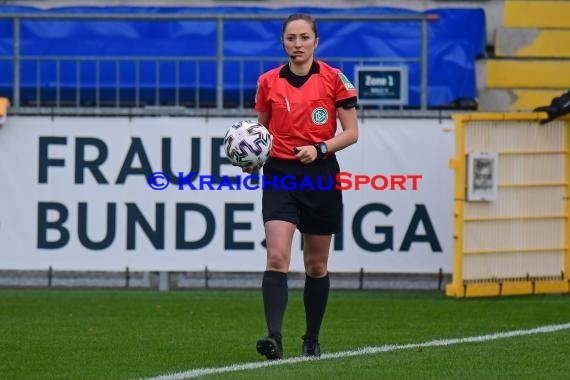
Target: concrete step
[(501, 100), (537, 14), (528, 73), (532, 42)]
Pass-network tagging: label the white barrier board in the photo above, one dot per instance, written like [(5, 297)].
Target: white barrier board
[(75, 196)]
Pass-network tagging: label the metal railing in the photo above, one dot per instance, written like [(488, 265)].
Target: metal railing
[(145, 98)]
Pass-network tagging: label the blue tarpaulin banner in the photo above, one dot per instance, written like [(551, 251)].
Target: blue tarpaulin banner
[(454, 41)]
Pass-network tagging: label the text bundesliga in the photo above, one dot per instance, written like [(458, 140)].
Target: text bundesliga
[(341, 181)]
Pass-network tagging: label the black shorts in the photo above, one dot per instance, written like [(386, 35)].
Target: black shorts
[(303, 194)]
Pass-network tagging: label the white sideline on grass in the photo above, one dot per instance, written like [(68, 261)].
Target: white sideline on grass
[(361, 351)]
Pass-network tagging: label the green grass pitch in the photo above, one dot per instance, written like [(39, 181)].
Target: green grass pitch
[(132, 334)]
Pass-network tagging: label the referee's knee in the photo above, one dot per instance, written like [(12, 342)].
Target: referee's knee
[(316, 271), (278, 263)]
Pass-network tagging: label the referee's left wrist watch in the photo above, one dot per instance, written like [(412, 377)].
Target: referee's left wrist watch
[(322, 149)]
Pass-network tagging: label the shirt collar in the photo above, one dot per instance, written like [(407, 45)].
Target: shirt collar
[(288, 74)]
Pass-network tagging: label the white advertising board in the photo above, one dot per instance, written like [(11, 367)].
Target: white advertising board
[(75, 196)]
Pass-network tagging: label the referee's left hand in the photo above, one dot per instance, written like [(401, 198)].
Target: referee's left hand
[(306, 153)]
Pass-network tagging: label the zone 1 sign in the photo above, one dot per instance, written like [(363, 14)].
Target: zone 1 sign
[(382, 85)]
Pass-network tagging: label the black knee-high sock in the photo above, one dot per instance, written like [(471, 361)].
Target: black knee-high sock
[(275, 297), (315, 297)]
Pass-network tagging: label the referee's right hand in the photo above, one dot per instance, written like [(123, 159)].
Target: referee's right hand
[(252, 169)]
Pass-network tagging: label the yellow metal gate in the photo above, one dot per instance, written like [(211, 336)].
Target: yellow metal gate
[(511, 206)]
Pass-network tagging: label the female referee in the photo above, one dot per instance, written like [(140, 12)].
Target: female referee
[(299, 102)]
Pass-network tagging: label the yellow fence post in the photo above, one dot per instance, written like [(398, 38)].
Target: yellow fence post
[(4, 104), (455, 289)]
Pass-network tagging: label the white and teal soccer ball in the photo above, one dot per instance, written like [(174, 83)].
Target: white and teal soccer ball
[(247, 143)]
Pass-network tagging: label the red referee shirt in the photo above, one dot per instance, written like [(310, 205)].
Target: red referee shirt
[(302, 109)]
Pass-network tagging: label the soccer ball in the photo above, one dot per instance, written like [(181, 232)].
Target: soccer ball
[(247, 143)]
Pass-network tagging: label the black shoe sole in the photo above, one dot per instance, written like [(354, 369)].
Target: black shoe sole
[(268, 347)]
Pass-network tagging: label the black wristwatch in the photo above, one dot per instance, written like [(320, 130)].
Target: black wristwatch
[(322, 150)]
